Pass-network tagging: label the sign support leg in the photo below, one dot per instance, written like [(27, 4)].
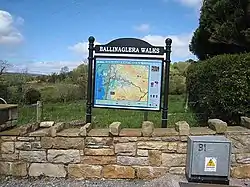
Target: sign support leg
[(90, 80), (166, 83)]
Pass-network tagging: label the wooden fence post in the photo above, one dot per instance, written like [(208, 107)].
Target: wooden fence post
[(39, 111)]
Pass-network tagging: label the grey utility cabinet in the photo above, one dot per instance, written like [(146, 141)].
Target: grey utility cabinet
[(208, 159)]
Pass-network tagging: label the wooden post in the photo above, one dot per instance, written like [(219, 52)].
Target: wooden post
[(146, 116), (39, 111)]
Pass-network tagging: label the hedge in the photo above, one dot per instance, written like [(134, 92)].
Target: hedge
[(220, 87)]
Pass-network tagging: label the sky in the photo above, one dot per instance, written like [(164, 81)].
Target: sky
[(42, 36)]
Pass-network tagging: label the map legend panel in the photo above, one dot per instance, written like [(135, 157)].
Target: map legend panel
[(127, 83)]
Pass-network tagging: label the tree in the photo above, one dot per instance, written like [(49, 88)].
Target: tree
[(3, 66), (224, 28), (64, 70)]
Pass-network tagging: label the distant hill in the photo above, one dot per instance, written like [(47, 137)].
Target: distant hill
[(29, 74)]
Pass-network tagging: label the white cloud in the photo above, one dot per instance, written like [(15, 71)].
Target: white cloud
[(9, 34), (45, 67), (142, 28), (180, 44), (81, 48)]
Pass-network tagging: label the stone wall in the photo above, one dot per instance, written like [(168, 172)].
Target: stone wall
[(64, 150)]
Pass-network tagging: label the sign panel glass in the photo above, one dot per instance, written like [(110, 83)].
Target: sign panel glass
[(127, 83)]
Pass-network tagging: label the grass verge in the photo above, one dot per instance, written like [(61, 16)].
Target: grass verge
[(103, 117)]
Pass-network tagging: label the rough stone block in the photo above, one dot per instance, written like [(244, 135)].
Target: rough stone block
[(62, 143), (154, 157), (170, 160), (25, 146), (40, 132), (5, 168), (98, 132), (124, 139), (152, 145), (8, 138), (7, 147), (64, 156), (47, 142), (201, 131), (182, 147), (56, 128), (177, 170), (99, 142), (237, 130), (240, 144), (182, 127), (245, 122), (142, 139), (150, 172), (243, 158), (128, 149), (85, 129), (171, 138), (217, 125), (70, 132), (18, 169), (233, 160), (172, 147), (7, 125), (99, 152), (32, 156), (46, 124), (9, 157), (48, 170), (13, 168), (26, 139), (82, 171), (147, 128), (115, 128), (141, 152), (118, 172), (68, 143), (129, 132), (12, 132), (241, 172), (130, 161), (98, 160), (165, 132)]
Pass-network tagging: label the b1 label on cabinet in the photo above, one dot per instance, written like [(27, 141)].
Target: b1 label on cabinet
[(208, 159)]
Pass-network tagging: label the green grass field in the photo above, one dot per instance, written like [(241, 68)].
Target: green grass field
[(103, 117)]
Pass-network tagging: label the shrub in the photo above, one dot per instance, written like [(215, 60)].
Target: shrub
[(177, 85), (15, 94), (220, 87), (31, 96), (61, 93)]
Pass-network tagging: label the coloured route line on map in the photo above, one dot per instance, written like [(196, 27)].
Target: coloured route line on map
[(122, 82)]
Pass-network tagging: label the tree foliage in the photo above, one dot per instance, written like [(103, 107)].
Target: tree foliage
[(3, 66), (224, 28)]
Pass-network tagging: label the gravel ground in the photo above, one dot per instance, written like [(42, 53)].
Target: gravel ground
[(52, 182), (166, 181)]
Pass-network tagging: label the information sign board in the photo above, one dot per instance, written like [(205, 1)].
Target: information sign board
[(127, 83)]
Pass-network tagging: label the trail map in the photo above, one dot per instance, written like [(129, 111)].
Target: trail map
[(126, 83)]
